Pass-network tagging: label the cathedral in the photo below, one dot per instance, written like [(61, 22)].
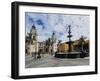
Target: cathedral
[(34, 47)]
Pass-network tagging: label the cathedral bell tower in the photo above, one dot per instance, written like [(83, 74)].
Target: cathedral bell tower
[(33, 34), (54, 46), (33, 41)]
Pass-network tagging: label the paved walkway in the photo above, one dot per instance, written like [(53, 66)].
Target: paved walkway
[(48, 60)]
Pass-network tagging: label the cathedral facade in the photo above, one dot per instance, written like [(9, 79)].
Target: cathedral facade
[(34, 47)]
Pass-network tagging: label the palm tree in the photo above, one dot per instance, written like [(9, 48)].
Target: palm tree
[(59, 42), (82, 42)]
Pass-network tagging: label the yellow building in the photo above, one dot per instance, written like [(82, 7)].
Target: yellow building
[(63, 47)]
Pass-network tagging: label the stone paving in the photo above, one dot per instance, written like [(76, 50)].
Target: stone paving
[(48, 60)]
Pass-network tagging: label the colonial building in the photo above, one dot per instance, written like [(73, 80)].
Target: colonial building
[(76, 46), (41, 47), (63, 47)]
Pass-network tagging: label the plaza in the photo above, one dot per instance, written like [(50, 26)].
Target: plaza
[(48, 60), (43, 49)]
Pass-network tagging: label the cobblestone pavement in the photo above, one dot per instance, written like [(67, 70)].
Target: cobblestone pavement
[(48, 60)]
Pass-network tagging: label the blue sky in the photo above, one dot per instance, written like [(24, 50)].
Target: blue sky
[(47, 23)]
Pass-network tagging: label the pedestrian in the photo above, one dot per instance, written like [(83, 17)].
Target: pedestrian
[(39, 56)]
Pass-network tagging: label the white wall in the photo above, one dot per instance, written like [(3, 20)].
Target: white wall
[(5, 41)]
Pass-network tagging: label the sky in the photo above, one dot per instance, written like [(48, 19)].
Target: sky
[(47, 23)]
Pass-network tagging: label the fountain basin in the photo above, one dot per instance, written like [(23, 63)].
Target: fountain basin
[(71, 55)]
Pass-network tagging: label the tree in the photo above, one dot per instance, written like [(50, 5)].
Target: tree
[(59, 42), (82, 42)]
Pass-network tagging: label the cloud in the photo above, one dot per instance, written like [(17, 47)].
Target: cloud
[(39, 22), (46, 24)]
